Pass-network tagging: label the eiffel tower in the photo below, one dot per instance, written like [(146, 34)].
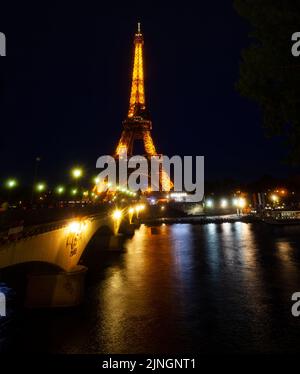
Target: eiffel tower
[(137, 125)]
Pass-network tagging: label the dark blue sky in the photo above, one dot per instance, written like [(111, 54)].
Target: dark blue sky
[(65, 86)]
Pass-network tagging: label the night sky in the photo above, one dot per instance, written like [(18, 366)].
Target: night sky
[(65, 86)]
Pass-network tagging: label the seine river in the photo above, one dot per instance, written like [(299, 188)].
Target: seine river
[(178, 288)]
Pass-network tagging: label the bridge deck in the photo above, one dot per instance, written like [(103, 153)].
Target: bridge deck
[(33, 230)]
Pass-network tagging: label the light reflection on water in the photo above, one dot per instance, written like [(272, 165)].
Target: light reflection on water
[(183, 288)]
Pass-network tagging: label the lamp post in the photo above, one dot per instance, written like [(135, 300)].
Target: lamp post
[(60, 190), (74, 191), (274, 199), (40, 187), (76, 174), (130, 214), (35, 174), (241, 205), (117, 218), (10, 184)]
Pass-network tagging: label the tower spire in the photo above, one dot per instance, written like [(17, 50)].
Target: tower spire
[(137, 96)]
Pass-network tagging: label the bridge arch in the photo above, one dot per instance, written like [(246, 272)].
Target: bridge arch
[(61, 247)]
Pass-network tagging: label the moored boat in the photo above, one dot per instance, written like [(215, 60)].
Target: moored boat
[(282, 217)]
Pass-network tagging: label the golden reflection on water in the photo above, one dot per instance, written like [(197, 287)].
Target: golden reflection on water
[(138, 294), (168, 272), (285, 251), (183, 288), (247, 246)]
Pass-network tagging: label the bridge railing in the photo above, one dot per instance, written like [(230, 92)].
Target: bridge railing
[(17, 233), (38, 216)]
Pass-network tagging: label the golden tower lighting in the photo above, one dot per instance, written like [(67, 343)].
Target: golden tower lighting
[(137, 97), (137, 125)]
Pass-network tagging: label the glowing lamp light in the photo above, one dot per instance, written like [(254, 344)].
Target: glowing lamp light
[(60, 190), (241, 203), (209, 203), (224, 203), (74, 227), (11, 183), (117, 215), (274, 198), (130, 214), (40, 187), (74, 191), (76, 173)]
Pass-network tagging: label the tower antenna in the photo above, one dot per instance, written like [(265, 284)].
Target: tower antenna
[(139, 27)]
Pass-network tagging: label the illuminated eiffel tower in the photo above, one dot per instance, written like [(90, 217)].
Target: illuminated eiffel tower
[(137, 125)]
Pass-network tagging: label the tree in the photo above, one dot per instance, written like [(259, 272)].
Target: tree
[(269, 73)]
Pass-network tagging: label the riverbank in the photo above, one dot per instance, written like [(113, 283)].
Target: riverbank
[(232, 218)]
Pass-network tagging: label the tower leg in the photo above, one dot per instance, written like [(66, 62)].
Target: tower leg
[(149, 144)]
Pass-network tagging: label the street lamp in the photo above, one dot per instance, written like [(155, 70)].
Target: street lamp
[(240, 205), (224, 203), (117, 218), (130, 214), (274, 198), (74, 191), (11, 183), (76, 173), (60, 189), (117, 214), (36, 167), (40, 187)]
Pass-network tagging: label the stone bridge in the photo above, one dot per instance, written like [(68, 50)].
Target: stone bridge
[(60, 244)]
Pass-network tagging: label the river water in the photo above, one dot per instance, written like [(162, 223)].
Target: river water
[(179, 288)]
